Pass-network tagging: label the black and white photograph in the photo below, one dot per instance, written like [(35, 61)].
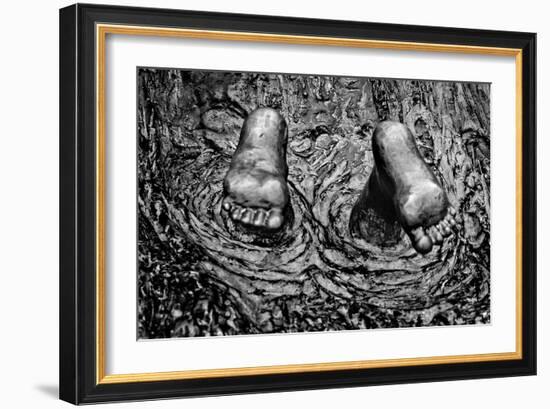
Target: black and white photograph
[(283, 203)]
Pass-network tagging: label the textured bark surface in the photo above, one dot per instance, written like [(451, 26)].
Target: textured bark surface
[(196, 278)]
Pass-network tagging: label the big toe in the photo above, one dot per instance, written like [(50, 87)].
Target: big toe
[(275, 219), (421, 241)]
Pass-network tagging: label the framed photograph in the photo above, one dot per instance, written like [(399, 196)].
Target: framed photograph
[(257, 203)]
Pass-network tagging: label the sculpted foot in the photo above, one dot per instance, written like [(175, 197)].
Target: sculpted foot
[(255, 188), (402, 180)]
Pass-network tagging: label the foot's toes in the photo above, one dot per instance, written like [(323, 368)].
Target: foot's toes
[(444, 228), (246, 216), (436, 235), (450, 217), (236, 212), (450, 221), (275, 219), (421, 241), (259, 218), (226, 204), (430, 231), (272, 219)]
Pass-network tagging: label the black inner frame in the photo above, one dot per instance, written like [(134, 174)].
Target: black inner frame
[(78, 211)]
